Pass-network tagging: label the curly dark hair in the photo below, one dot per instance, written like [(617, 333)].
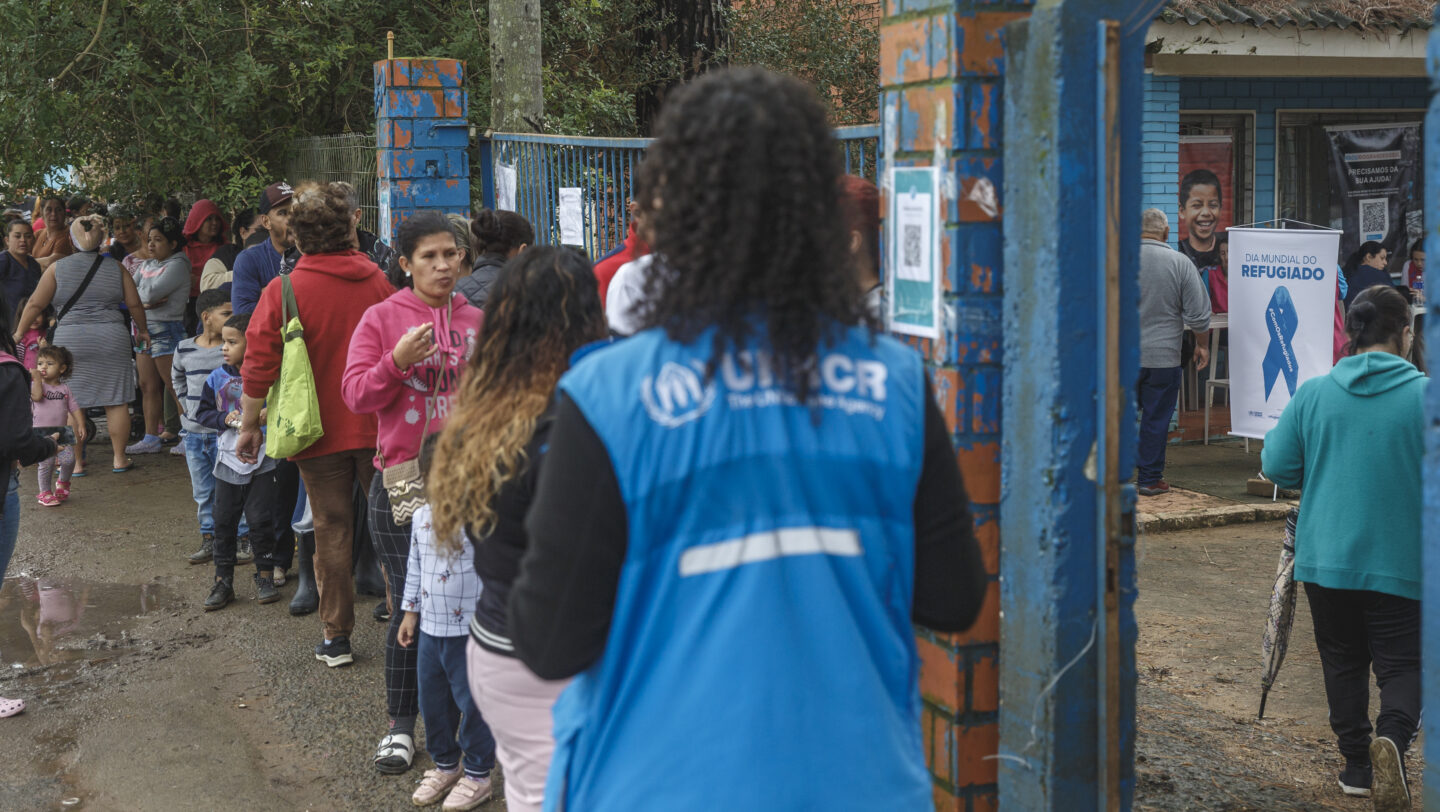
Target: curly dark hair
[(61, 356), (170, 229), (739, 190), (323, 217)]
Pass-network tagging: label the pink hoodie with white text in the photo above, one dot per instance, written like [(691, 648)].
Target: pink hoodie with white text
[(415, 402)]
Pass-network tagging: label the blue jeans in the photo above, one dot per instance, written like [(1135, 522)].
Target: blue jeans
[(200, 455), (1158, 392), (9, 522), (448, 710)]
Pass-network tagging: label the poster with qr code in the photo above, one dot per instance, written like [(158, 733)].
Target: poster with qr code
[(912, 233), (1374, 219)]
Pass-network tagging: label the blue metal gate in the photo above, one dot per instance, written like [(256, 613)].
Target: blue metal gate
[(526, 173)]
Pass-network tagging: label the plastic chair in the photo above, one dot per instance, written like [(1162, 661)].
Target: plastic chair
[(1218, 322)]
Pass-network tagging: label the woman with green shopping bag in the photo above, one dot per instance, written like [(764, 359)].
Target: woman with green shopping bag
[(333, 285)]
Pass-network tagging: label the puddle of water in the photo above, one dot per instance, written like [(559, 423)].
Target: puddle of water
[(50, 623)]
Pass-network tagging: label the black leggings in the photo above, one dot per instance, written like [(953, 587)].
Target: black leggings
[(392, 546), (1356, 631), (257, 500)]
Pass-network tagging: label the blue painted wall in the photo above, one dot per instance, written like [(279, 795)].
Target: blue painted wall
[(1160, 159), (1264, 97)]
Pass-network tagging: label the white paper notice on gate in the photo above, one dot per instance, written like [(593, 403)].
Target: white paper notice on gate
[(1282, 319), (572, 216), (505, 187)]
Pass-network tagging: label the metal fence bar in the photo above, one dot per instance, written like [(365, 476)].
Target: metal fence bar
[(604, 169), (349, 157)]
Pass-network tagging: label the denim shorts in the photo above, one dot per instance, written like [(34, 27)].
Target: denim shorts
[(165, 336)]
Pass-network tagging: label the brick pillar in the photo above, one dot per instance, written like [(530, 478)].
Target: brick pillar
[(422, 133), (941, 75)]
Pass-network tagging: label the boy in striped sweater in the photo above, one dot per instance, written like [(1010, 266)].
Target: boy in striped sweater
[(195, 358)]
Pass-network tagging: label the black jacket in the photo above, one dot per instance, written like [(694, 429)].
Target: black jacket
[(476, 287), (18, 443)]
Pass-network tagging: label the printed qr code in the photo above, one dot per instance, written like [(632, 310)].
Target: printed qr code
[(1375, 216), (911, 246)]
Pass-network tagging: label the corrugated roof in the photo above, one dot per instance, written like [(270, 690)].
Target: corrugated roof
[(1364, 15)]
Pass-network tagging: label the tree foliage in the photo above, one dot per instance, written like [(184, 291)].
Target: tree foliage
[(202, 97)]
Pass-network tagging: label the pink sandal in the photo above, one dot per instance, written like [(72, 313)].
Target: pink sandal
[(10, 707), (62, 491), (47, 498)]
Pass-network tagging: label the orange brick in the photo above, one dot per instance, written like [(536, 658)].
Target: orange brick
[(984, 677), (985, 802), (980, 466), (979, 46), (925, 103), (941, 678), (987, 536), (903, 52), (987, 625), (928, 724), (945, 802), (972, 746)]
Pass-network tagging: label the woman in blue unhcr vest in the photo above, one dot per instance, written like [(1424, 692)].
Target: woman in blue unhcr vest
[(744, 507)]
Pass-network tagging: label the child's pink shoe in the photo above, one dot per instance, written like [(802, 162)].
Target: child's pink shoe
[(62, 490), (47, 498)]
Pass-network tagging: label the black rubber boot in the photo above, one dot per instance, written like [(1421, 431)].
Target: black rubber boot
[(368, 578), (307, 597)]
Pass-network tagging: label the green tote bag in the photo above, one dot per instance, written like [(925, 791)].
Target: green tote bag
[(293, 420)]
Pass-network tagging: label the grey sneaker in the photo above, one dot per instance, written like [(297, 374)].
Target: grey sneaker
[(206, 551), (1388, 790), (244, 553), (265, 591), (335, 652)]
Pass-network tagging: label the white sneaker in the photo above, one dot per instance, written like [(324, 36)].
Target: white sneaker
[(177, 450)]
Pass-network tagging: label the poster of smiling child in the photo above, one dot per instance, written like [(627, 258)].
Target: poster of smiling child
[(1206, 209)]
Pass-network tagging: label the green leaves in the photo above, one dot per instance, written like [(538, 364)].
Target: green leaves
[(203, 97)]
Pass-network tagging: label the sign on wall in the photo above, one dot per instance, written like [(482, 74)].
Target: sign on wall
[(912, 233), (1282, 317), (1375, 172)]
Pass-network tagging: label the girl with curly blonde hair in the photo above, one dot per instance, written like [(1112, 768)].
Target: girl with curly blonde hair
[(543, 306)]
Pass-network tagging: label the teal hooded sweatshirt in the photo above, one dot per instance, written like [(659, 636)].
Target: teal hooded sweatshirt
[(1352, 442)]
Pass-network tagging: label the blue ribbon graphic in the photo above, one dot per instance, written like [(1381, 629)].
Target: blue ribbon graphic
[(1281, 322)]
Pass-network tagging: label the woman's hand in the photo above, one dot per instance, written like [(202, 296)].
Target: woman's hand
[(405, 635), (415, 346)]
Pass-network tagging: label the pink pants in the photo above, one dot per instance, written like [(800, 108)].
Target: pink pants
[(516, 704)]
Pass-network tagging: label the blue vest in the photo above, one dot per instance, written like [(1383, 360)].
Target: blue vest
[(760, 654)]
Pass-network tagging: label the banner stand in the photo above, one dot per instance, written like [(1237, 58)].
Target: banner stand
[(1283, 290)]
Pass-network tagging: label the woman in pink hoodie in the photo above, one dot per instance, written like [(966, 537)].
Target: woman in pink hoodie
[(404, 366)]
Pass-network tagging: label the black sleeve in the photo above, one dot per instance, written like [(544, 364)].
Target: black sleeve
[(17, 440), (561, 605), (950, 578)]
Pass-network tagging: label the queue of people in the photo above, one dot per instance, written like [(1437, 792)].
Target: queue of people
[(526, 476)]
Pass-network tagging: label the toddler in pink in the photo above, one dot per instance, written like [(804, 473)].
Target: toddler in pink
[(52, 407)]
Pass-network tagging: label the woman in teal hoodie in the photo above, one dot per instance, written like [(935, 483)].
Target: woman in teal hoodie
[(1352, 441)]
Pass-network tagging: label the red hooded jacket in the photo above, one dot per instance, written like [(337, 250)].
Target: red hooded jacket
[(605, 269), (200, 252), (332, 291)]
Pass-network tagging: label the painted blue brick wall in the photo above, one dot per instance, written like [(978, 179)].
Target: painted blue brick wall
[(1160, 134), (1265, 97)]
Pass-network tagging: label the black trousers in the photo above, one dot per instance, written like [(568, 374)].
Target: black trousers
[(287, 493), (1355, 630), (258, 501), (392, 545)]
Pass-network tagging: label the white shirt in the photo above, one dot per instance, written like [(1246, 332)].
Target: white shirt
[(441, 588), (627, 289)]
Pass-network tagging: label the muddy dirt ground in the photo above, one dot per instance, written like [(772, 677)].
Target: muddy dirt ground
[(140, 701), (1204, 595)]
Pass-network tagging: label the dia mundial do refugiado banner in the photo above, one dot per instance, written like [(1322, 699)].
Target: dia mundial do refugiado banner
[(1282, 318)]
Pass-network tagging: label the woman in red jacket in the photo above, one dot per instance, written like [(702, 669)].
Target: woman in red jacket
[(334, 285)]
